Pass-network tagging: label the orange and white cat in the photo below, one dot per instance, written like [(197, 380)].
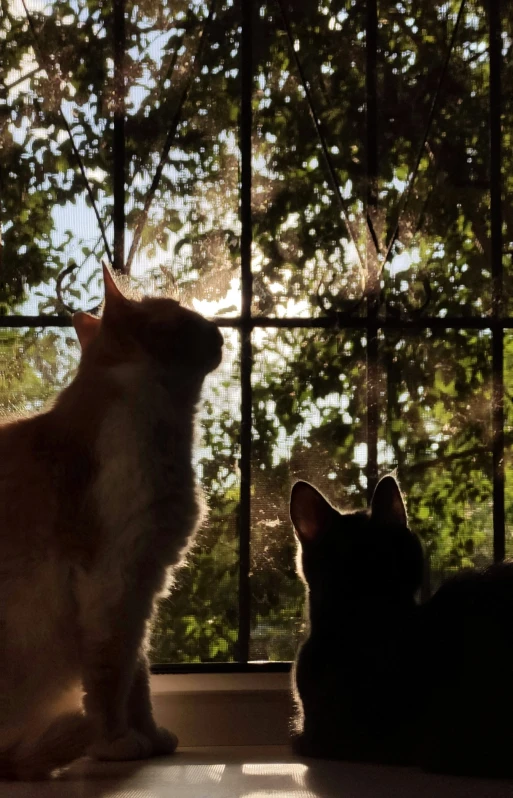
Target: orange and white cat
[(98, 504)]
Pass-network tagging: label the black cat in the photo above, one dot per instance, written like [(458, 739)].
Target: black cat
[(381, 678)]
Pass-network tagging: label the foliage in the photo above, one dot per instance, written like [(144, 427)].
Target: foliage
[(33, 364), (309, 386)]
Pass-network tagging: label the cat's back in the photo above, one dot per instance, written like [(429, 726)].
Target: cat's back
[(467, 668), (471, 594), (466, 626)]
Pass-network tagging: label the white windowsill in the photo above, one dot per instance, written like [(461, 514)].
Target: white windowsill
[(223, 709), (214, 682)]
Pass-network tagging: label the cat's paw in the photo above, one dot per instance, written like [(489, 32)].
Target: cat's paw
[(132, 745), (163, 742)]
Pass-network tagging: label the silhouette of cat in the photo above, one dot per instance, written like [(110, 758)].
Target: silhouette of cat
[(98, 506), (381, 678)]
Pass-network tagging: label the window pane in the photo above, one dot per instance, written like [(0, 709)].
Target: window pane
[(441, 261), (198, 622), (190, 239), (309, 423), (305, 261), (437, 431), (436, 214), (34, 365)]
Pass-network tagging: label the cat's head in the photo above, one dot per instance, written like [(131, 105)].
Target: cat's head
[(359, 555), (155, 330)]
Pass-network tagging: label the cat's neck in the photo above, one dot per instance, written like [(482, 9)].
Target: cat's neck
[(83, 405)]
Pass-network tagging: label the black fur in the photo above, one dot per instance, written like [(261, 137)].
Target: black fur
[(381, 678)]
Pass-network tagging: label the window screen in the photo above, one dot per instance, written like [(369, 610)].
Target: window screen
[(329, 180)]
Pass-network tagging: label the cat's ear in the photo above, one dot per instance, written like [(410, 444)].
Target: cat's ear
[(387, 504), (86, 328), (310, 512), (114, 299)]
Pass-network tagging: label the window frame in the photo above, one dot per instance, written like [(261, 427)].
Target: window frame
[(370, 322)]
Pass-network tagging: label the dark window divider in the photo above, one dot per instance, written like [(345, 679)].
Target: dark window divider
[(499, 543), (244, 525), (336, 321)]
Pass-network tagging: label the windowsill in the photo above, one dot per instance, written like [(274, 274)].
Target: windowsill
[(224, 709), (215, 682)]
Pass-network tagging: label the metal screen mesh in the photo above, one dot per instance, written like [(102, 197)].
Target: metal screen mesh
[(327, 178)]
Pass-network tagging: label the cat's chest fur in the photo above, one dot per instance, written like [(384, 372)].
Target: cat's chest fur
[(144, 490)]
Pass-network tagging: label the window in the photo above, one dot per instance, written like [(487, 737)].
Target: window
[(328, 179)]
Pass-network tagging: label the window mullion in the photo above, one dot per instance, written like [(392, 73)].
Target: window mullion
[(245, 132), (497, 279), (372, 260), (119, 148)]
